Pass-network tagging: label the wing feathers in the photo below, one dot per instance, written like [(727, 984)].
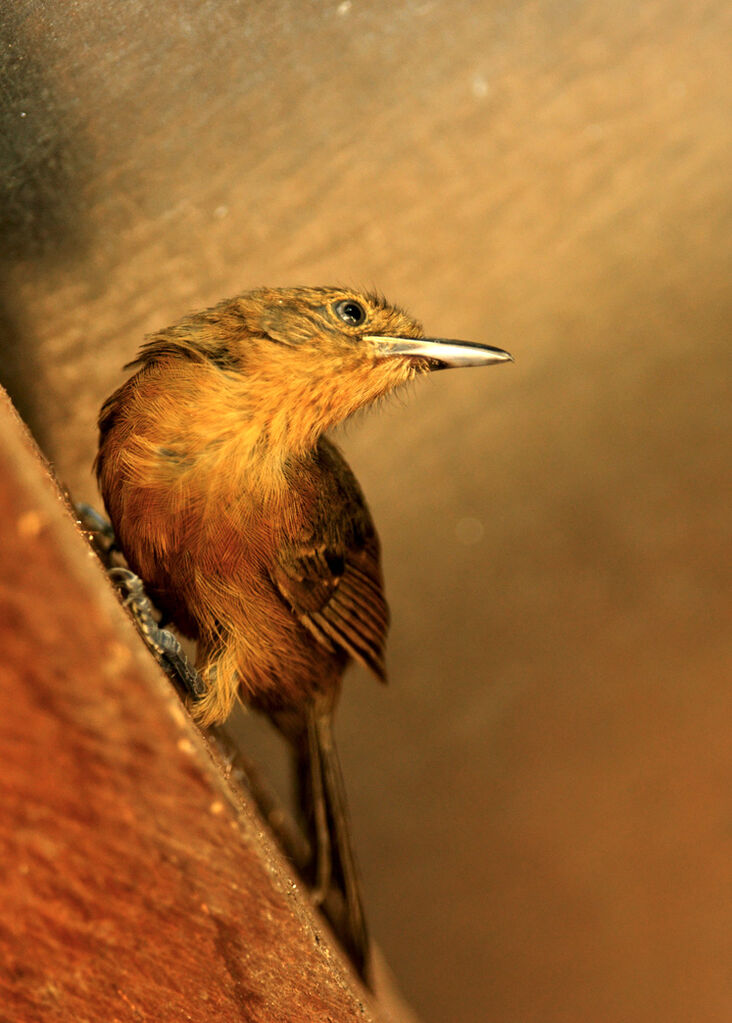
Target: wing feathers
[(348, 610), (332, 580), (345, 631)]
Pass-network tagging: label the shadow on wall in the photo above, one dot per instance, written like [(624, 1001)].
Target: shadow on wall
[(43, 154)]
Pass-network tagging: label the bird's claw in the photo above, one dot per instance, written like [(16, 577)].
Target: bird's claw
[(92, 521), (164, 645)]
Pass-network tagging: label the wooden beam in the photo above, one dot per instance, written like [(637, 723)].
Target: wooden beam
[(135, 884)]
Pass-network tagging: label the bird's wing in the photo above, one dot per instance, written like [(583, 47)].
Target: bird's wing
[(332, 578)]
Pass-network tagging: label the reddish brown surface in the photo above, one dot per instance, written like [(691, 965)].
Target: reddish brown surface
[(131, 887)]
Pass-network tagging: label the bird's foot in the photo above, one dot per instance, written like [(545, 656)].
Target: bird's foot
[(99, 533), (165, 647), (92, 521)]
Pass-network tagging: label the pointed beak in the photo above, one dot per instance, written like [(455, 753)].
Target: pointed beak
[(442, 352)]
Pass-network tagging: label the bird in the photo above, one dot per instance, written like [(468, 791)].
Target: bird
[(247, 526)]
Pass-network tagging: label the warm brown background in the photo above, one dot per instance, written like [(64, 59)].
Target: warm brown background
[(541, 798)]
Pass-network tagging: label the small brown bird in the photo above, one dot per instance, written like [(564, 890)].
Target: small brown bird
[(246, 524)]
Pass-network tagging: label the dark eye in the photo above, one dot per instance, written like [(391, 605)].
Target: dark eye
[(352, 313)]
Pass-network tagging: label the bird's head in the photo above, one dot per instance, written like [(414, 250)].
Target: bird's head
[(352, 330), (313, 356)]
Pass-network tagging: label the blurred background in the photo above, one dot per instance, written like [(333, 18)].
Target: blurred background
[(541, 796)]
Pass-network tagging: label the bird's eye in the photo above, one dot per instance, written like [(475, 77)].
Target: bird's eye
[(352, 313)]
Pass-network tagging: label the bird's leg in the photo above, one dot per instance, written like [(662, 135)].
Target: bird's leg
[(165, 647), (91, 520), (99, 531)]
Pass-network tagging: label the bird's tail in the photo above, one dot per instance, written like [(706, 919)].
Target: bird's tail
[(323, 801)]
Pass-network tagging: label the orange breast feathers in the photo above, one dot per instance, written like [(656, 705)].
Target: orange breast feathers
[(271, 565)]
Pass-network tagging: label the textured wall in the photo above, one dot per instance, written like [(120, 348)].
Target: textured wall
[(539, 796)]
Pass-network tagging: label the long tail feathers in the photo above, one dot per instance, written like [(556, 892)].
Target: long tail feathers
[(335, 860)]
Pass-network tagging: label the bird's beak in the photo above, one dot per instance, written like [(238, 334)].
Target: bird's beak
[(440, 352)]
